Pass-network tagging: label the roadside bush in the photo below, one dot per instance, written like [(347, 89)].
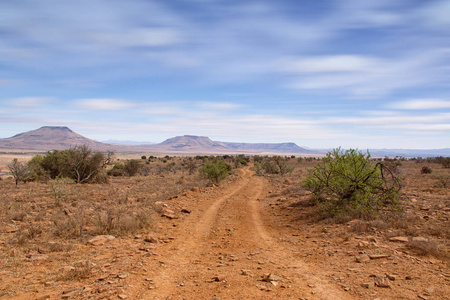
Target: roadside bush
[(347, 182), (277, 165), (79, 163), (240, 161), (426, 170), (215, 170)]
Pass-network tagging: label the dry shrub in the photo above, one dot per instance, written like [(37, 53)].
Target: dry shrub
[(82, 270), (429, 248), (360, 226), (33, 230), (122, 221), (68, 227), (18, 216)]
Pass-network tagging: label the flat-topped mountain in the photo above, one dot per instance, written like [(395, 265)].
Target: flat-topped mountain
[(192, 143), (50, 138)]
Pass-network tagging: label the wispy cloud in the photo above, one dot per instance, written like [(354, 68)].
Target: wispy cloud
[(365, 76), (103, 104), (421, 104), (30, 101)]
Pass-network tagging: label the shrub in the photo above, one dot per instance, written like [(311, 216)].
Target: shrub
[(347, 182), (18, 170), (443, 179), (131, 167), (426, 170), (445, 161), (117, 170), (277, 165), (37, 172), (241, 160), (79, 163), (215, 170)]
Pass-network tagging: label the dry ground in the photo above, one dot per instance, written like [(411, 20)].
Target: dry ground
[(252, 237)]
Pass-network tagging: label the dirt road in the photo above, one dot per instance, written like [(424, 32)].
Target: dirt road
[(224, 250)]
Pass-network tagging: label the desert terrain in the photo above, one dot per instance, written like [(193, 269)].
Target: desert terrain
[(169, 234)]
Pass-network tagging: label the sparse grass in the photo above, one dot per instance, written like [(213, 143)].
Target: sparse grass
[(429, 248), (82, 270)]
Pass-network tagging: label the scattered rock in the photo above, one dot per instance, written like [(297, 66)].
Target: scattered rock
[(378, 256), (419, 239), (37, 257), (368, 285), (195, 189), (362, 258), (245, 272), (382, 282), (401, 239), (100, 240), (219, 278), (185, 211), (429, 290), (262, 287), (169, 214), (269, 277), (391, 277), (122, 296), (151, 238)]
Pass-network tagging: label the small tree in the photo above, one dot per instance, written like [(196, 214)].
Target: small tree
[(79, 163), (18, 170), (216, 170), (347, 182), (131, 167)]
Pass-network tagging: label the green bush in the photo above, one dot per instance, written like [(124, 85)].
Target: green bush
[(347, 182), (37, 172), (132, 167), (79, 163), (426, 170), (117, 170), (215, 170), (240, 161)]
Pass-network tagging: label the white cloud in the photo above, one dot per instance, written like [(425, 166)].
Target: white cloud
[(421, 104), (334, 63), (219, 106), (29, 101), (103, 104), (140, 37), (367, 76)]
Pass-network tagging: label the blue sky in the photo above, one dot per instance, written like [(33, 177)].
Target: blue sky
[(322, 74)]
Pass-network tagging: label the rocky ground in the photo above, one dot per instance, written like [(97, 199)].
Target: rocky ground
[(252, 237)]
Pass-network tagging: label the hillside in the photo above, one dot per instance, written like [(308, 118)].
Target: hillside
[(50, 138)]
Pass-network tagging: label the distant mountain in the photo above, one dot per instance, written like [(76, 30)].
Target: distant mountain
[(127, 142), (268, 147), (55, 137), (192, 143), (60, 137), (50, 138)]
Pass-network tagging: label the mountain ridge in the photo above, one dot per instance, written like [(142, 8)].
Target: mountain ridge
[(61, 137)]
